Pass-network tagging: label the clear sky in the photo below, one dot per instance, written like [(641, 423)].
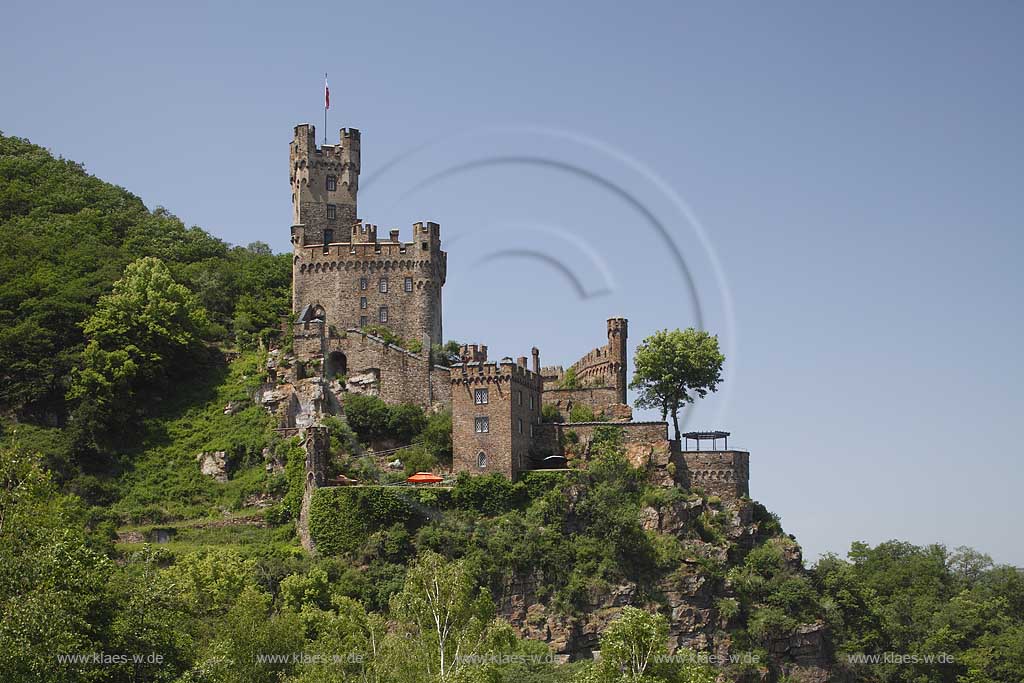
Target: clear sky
[(836, 190)]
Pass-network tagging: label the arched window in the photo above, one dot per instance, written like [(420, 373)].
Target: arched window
[(481, 460)]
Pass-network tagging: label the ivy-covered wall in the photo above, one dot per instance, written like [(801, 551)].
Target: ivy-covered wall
[(341, 518)]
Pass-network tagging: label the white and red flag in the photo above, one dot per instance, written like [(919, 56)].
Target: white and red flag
[(327, 94)]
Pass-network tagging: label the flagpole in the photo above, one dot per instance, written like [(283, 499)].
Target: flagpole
[(325, 107)]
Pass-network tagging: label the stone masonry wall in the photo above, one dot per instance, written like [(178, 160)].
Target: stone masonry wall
[(598, 399), (725, 474), (512, 407), (401, 376), (357, 282)]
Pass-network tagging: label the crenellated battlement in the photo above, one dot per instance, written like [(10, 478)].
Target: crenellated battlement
[(345, 265), (496, 372)]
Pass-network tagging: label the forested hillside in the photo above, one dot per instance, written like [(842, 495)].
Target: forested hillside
[(131, 348)]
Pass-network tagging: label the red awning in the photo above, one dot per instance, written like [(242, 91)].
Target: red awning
[(425, 478)]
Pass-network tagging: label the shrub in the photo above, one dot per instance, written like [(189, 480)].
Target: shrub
[(570, 380), (436, 437), (583, 413), (368, 416), (416, 459), (770, 622), (342, 518), (491, 494), (549, 413), (405, 421)]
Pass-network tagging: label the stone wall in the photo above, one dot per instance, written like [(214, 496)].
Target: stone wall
[(602, 371), (599, 399), (725, 474), (512, 409), (310, 167), (360, 280), (378, 368)]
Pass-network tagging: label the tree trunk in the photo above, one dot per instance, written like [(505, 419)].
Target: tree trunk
[(675, 420)]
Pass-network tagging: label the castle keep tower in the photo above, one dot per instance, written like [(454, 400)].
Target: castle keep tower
[(343, 273)]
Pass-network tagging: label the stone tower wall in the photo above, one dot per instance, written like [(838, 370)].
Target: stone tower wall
[(513, 412), (725, 474), (345, 278), (310, 166)]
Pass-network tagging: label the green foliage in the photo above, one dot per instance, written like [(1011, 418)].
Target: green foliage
[(341, 519), (570, 380), (160, 479), (549, 413), (368, 416), (66, 236), (371, 418), (584, 413), (436, 437), (899, 597), (415, 459), (388, 335), (676, 367), (53, 584), (405, 421), (138, 337), (446, 354), (490, 494)]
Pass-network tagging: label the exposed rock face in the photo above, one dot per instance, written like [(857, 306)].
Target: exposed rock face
[(689, 597), (297, 404), (365, 383), (214, 464), (807, 650)]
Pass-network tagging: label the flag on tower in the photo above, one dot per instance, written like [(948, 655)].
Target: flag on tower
[(327, 94)]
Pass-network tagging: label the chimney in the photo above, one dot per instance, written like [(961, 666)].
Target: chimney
[(521, 362), (394, 235), (536, 360)]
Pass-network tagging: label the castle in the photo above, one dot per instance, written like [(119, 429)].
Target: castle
[(367, 313)]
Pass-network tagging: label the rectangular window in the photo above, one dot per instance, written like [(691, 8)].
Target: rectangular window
[(481, 425), (382, 285), (332, 212), (531, 430), (364, 283), (363, 303), (480, 396), (382, 315), (332, 183), (363, 321), (519, 397), (520, 423), (408, 284), (531, 402)]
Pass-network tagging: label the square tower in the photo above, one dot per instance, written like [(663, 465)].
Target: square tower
[(496, 410)]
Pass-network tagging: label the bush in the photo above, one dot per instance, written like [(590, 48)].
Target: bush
[(584, 413), (549, 413), (368, 416), (491, 494), (341, 519), (436, 437), (416, 459), (405, 421), (770, 622)]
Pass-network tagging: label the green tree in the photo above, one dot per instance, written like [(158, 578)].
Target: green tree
[(449, 616), (54, 598), (673, 368), (137, 332), (633, 639)]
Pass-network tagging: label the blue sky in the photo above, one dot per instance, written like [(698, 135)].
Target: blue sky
[(842, 184)]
